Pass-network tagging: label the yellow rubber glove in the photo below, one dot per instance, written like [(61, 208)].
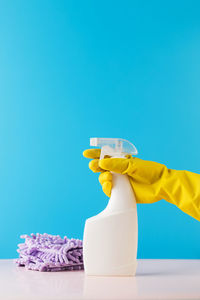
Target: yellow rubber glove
[(151, 181)]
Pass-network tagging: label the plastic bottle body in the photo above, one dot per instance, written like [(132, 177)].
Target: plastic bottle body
[(110, 238)]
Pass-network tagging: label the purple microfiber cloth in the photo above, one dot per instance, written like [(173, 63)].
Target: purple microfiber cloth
[(45, 252)]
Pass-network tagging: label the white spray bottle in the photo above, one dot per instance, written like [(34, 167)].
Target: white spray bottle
[(110, 238)]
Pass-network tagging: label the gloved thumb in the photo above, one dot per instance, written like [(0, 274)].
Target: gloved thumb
[(117, 165)]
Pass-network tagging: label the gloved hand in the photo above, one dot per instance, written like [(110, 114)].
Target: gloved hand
[(150, 181)]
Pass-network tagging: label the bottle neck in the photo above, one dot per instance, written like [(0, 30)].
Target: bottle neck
[(122, 195)]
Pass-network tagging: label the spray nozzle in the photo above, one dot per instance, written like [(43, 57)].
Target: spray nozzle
[(113, 146)]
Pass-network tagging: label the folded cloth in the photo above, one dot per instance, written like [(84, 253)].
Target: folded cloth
[(45, 252)]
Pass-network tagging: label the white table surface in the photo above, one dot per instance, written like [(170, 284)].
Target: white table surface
[(155, 279)]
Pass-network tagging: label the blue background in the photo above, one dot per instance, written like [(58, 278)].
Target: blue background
[(71, 70)]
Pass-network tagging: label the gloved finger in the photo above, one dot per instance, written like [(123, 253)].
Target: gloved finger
[(118, 165), (107, 187), (94, 166), (104, 177), (92, 153)]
